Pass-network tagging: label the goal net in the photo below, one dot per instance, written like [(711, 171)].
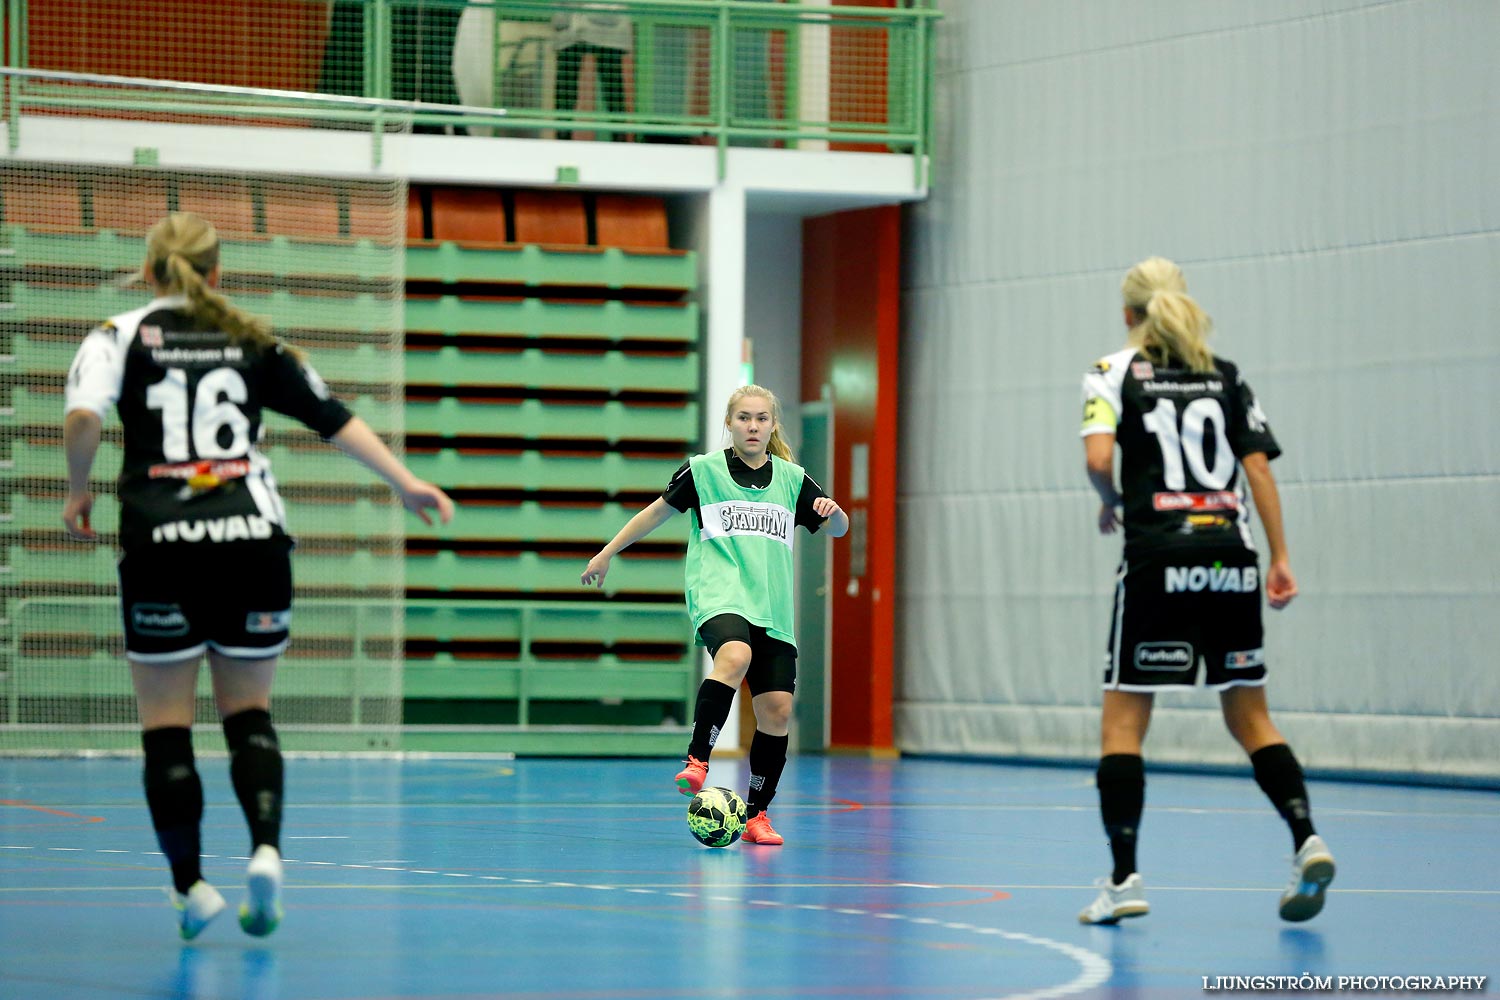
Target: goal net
[(322, 258)]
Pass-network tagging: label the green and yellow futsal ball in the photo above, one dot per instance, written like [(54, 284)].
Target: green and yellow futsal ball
[(716, 816)]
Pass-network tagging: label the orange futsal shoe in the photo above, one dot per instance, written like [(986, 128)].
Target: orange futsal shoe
[(691, 778), (758, 831)]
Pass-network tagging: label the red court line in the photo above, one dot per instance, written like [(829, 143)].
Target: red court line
[(17, 803)]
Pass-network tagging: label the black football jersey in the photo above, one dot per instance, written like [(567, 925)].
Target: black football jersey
[(190, 405), (1181, 435)]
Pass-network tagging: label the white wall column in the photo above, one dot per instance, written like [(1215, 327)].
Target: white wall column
[(724, 337)]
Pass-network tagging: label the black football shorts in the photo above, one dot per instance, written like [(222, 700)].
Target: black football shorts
[(773, 663), (181, 600), (1176, 610)]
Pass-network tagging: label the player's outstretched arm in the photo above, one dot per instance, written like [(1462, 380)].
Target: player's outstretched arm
[(81, 432), (1281, 585), (362, 444), (657, 513)]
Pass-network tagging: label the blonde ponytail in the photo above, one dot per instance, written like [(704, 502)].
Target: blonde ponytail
[(1168, 323), (776, 443), (181, 250), (1152, 275), (1175, 327)]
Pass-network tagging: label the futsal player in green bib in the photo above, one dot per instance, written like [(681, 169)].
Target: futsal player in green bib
[(746, 502)]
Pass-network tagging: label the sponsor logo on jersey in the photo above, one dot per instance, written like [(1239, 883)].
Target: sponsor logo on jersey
[(1100, 367), (158, 619), (1216, 579), (167, 356), (1244, 658), (215, 529), (265, 622), (1164, 656), (747, 517), (1142, 370), (1218, 500), (237, 468), (151, 335), (1211, 385)]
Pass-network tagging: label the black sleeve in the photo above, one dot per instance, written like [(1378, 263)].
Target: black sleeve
[(806, 516), (681, 493), (293, 388), (1248, 431)]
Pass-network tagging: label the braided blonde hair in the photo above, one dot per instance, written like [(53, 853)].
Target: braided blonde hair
[(181, 251)]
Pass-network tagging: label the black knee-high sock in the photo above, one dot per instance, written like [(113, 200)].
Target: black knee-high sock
[(256, 770), (1280, 776), (767, 759), (714, 700), (1122, 797), (174, 795)]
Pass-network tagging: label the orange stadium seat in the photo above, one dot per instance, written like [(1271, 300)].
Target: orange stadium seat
[(416, 219), (129, 204), (631, 222), (226, 203), (301, 209), (373, 217), (554, 218), (42, 202), (468, 215)]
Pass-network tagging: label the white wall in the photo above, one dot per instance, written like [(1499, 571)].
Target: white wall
[(1326, 173)]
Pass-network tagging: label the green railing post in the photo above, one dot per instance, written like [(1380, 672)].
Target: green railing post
[(792, 73), (645, 66), (523, 696), (15, 14), (924, 102), (721, 64)]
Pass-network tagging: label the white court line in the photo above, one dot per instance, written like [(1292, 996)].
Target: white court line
[(1094, 969)]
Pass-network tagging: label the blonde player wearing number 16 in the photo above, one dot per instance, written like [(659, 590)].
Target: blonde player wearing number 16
[(206, 566)]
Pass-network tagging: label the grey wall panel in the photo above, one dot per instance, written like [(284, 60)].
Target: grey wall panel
[(1328, 175)]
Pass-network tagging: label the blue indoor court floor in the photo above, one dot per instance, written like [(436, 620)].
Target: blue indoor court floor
[(578, 880)]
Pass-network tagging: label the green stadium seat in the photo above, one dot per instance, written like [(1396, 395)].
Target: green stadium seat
[(616, 371), (541, 419), (533, 317)]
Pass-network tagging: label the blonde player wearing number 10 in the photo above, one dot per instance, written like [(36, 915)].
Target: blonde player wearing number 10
[(1189, 588)]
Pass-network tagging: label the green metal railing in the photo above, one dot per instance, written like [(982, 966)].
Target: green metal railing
[(726, 72)]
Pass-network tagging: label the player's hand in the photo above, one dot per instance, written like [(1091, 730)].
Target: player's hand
[(595, 571), (1281, 585), (77, 510), (825, 507), (419, 497), (1109, 520)]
